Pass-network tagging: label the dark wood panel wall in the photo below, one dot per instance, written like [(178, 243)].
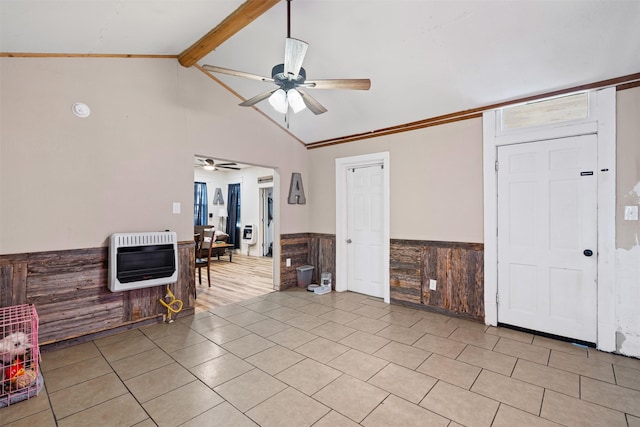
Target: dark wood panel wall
[(70, 293), (457, 268), (314, 249)]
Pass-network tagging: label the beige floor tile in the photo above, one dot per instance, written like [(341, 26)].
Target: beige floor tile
[(26, 409), (246, 318), (228, 310), (322, 349), (248, 345), (609, 395), (39, 419), (371, 311), (491, 360), (615, 359), (633, 421), (289, 407), (306, 322), (339, 316), (221, 369), (249, 389), (276, 296), (146, 423), (275, 359), (250, 301), (570, 411), (333, 331), (467, 408), (334, 419), (436, 317), (351, 397), (358, 364), (77, 398), (141, 363), (513, 392), (268, 327), (375, 302), (449, 370), (67, 356), (511, 334), (405, 383), (198, 353), (175, 342), (226, 333), (315, 309), (223, 414), (512, 417), (551, 378), (179, 327), (581, 365), (364, 342), (132, 334), (133, 344), (308, 376), (262, 305), (398, 412), (435, 327), (627, 377), (294, 302), (402, 354), (475, 337), (400, 334), (182, 404), (438, 345), (292, 338), (283, 314), (401, 319), (468, 324), (207, 323), (345, 305), (563, 346), (155, 383), (366, 324), (67, 376), (522, 350), (122, 411)]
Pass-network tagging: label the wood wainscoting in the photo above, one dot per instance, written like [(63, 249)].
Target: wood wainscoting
[(70, 293), (315, 249), (458, 269)]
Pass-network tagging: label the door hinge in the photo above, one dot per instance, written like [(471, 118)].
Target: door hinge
[(497, 167), (497, 298)]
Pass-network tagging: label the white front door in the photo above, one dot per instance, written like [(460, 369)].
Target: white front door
[(547, 236), (365, 230)]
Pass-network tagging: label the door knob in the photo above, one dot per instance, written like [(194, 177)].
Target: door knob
[(587, 252), (348, 240)]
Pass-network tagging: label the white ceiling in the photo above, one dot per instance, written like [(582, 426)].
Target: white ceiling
[(424, 58)]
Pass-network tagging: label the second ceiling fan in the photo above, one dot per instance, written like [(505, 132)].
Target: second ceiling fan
[(291, 79)]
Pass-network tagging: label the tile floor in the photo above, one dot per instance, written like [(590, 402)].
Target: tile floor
[(298, 359)]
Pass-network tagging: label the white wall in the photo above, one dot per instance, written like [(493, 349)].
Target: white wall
[(68, 183)]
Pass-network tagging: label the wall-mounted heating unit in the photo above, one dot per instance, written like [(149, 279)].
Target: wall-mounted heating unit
[(142, 260)]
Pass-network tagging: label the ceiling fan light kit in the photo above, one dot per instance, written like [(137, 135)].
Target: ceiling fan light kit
[(290, 78)]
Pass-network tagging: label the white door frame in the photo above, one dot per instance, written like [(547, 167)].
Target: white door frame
[(342, 166), (601, 121)]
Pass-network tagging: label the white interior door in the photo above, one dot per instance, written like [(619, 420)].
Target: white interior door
[(547, 224), (365, 230)]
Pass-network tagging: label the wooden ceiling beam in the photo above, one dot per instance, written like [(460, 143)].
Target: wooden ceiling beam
[(240, 18)]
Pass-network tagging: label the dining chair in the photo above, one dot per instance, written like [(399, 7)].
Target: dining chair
[(202, 262)]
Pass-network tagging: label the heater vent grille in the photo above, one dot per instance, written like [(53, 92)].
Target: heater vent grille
[(144, 239)]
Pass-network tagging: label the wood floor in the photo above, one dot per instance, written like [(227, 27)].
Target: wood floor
[(244, 278)]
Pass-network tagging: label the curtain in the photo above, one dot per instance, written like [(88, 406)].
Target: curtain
[(233, 212), (200, 212)]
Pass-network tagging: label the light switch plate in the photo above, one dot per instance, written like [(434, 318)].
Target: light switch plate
[(631, 213), (432, 284), (288, 262), (176, 207)]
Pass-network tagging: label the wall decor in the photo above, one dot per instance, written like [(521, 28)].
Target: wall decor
[(296, 191), (217, 197)]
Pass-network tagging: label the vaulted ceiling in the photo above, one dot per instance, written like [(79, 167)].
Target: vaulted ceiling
[(424, 58)]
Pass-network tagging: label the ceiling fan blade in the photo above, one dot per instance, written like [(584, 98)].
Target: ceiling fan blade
[(236, 73), (294, 52), (229, 167), (312, 104), (353, 84), (258, 98)]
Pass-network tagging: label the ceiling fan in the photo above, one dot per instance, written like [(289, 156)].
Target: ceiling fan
[(211, 165), (291, 79)]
